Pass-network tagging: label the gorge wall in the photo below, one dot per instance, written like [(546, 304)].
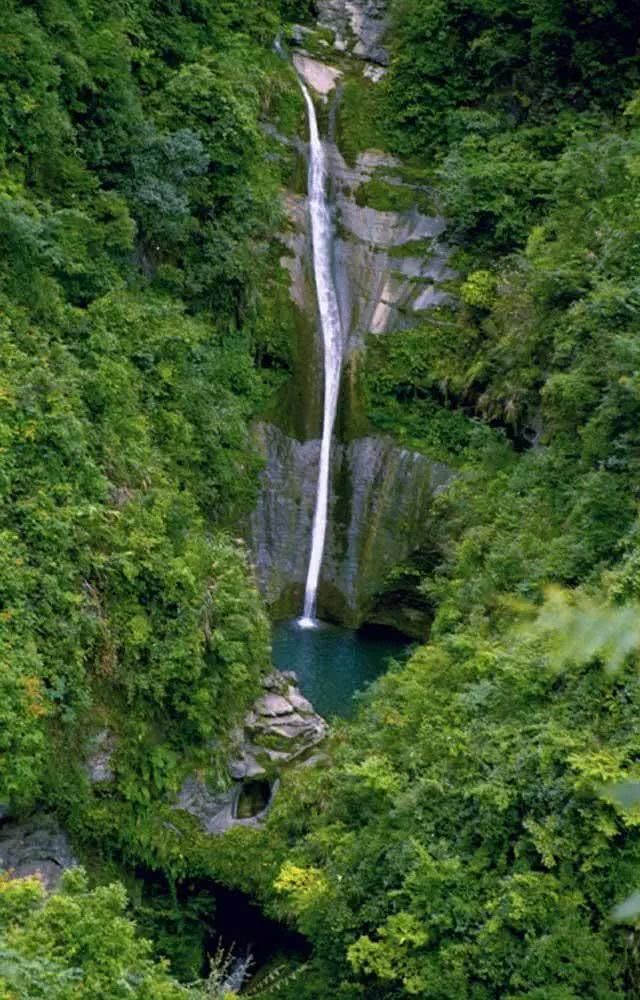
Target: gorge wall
[(390, 265)]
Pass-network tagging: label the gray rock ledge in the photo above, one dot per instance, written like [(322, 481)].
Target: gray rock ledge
[(281, 730)]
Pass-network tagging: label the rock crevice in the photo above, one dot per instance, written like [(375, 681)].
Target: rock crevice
[(281, 730)]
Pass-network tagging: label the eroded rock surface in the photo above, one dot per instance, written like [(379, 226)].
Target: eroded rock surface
[(281, 730), (379, 505), (320, 77), (35, 846), (388, 264), (99, 762)]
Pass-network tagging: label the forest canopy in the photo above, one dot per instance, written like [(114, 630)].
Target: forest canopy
[(470, 835), (138, 213)]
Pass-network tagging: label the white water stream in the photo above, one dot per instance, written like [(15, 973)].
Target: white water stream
[(322, 238)]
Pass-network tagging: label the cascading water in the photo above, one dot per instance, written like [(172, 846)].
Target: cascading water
[(322, 238)]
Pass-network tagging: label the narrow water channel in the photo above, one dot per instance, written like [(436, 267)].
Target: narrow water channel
[(333, 664)]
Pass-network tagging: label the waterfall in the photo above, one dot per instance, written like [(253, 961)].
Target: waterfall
[(322, 238)]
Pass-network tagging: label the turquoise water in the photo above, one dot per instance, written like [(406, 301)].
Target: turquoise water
[(334, 663)]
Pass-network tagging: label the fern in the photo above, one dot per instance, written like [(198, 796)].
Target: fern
[(275, 980)]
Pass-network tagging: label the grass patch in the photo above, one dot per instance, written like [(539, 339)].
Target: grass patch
[(413, 248), (284, 104), (318, 42)]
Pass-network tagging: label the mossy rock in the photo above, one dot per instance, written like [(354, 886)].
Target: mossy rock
[(385, 196), (359, 119)]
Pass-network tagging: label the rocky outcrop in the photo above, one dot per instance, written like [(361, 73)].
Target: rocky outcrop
[(391, 265), (99, 761), (35, 846), (318, 75), (280, 731), (359, 27), (379, 509)]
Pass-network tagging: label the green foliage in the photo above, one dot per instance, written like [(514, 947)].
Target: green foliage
[(545, 345), (80, 942), (297, 10), (476, 833), (479, 290), (359, 123), (541, 347), (138, 207), (114, 462), (75, 943), (492, 58), (137, 210), (478, 824), (584, 628), (387, 197), (462, 848)]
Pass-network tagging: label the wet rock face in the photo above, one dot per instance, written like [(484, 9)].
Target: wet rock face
[(280, 527), (35, 846), (389, 267), (379, 507), (281, 730)]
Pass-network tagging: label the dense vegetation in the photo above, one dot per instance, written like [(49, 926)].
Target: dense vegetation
[(462, 845), (138, 210), (75, 943), (138, 206)]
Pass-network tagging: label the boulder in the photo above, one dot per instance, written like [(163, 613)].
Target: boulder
[(359, 27), (299, 702), (317, 75), (214, 809), (247, 763), (271, 705)]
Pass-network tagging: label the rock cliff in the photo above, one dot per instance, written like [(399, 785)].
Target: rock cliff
[(391, 263), (379, 509)]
